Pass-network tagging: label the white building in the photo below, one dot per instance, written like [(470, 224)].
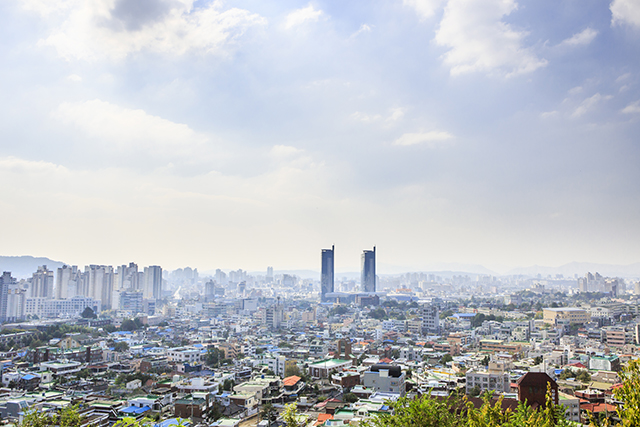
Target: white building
[(430, 319), (494, 378), (186, 354), (54, 308), (385, 378)]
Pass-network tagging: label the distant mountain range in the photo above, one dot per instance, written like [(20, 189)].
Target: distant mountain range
[(22, 267)]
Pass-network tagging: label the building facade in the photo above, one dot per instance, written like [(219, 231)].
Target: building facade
[(327, 276), (368, 275)]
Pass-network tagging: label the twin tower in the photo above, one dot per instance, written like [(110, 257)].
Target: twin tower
[(368, 271)]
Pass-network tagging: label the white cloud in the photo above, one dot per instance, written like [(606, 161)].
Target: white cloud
[(74, 78), (625, 12), (126, 128), (632, 108), (117, 28), (364, 28), (582, 38), (588, 104), (432, 139), (623, 77), (576, 90), (548, 114), (396, 114), (424, 8), (366, 118), (301, 16), (479, 41), (23, 167)]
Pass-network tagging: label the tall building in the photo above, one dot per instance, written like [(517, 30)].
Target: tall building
[(42, 283), (327, 276), (210, 291), (5, 281), (153, 282), (368, 277), (67, 280), (269, 274), (430, 319)]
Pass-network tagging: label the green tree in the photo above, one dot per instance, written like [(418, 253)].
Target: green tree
[(213, 357), (419, 412), (583, 376), (268, 413), (350, 398), (475, 391), (88, 313), (228, 385), (291, 417), (128, 325), (629, 394), (446, 358), (66, 417), (121, 347), (292, 370)]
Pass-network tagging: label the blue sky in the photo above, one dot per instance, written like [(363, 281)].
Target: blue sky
[(252, 133)]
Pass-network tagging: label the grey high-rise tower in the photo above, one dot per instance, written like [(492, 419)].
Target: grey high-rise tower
[(368, 277), (326, 279)]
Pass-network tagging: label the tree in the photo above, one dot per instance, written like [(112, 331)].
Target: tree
[(446, 358), (128, 325), (228, 385), (88, 313), (121, 346), (475, 391), (268, 413), (419, 412), (292, 370), (538, 360), (629, 394), (350, 398), (66, 417), (290, 416), (213, 357), (583, 376)]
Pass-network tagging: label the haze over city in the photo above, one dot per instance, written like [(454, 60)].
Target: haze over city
[(247, 134)]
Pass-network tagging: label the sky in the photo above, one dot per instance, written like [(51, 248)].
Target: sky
[(254, 133)]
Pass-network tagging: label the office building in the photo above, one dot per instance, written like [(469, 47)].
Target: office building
[(368, 277), (327, 275)]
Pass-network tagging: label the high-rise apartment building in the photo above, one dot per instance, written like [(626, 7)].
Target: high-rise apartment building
[(67, 281), (5, 281), (153, 282), (368, 277), (327, 275), (42, 283)]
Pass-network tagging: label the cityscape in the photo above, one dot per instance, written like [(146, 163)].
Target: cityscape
[(235, 348), (320, 213)]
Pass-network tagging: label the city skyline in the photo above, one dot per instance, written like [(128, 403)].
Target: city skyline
[(250, 133)]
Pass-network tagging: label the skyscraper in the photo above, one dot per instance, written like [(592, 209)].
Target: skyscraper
[(153, 282), (368, 277), (326, 279)]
